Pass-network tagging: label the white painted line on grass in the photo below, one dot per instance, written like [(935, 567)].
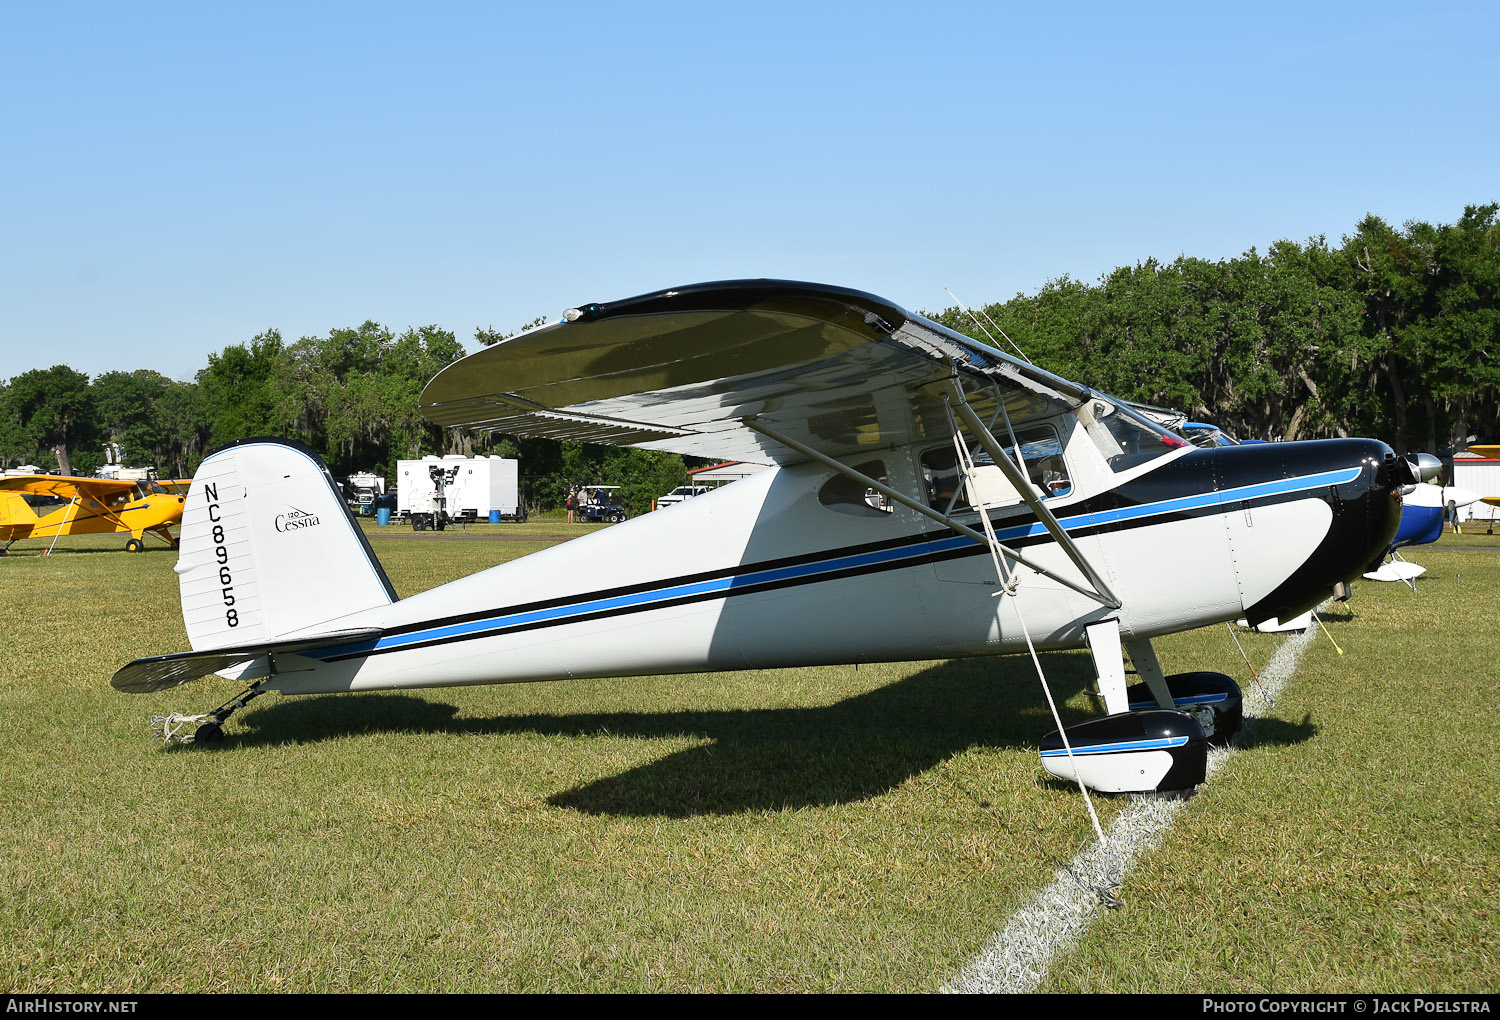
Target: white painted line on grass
[(1016, 959)]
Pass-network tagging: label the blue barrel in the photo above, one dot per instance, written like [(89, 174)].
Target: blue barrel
[(494, 516), (383, 516)]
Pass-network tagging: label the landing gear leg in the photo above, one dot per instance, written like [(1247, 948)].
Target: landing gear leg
[(1109, 664), (211, 729), (1144, 657)]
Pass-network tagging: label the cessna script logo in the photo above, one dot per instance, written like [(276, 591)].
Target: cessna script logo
[(294, 519)]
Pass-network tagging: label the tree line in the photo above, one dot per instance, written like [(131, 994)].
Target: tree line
[(351, 395), (1393, 333)]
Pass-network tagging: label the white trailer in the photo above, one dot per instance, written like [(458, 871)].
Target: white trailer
[(483, 485), (472, 487), (363, 489)]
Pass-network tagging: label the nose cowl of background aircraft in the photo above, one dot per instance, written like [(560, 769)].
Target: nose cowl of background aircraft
[(1366, 513)]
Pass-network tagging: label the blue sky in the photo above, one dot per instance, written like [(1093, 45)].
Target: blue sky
[(179, 177)]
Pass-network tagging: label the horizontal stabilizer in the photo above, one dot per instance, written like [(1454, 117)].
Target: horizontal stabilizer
[(160, 672)]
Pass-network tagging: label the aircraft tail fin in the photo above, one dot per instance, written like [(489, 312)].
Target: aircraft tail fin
[(269, 551), (16, 514)]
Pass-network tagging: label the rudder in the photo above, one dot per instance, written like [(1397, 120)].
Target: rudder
[(269, 550), (17, 519)]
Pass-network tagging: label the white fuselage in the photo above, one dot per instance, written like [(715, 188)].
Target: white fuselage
[(764, 573)]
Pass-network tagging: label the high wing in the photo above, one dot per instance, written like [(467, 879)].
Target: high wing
[(65, 486), (684, 370)]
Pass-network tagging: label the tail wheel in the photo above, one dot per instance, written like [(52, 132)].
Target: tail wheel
[(134, 545)]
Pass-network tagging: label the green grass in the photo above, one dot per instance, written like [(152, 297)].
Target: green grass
[(1353, 847), (821, 829), (535, 529)]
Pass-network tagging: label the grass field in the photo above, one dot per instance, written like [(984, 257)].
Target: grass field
[(833, 829)]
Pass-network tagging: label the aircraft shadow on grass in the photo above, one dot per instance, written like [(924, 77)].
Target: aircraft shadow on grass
[(1272, 732), (756, 759), (20, 552)]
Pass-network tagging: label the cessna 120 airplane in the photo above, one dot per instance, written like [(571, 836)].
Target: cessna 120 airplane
[(931, 497)]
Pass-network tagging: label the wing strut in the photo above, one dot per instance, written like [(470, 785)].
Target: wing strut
[(926, 511), (954, 394), (66, 513)]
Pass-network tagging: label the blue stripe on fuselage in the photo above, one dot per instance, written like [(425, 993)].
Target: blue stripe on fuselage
[(1153, 744), (1180, 504)]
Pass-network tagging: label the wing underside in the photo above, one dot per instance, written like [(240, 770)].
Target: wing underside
[(683, 370)]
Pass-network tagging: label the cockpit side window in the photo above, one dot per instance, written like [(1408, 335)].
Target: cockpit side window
[(848, 496), (1041, 457)]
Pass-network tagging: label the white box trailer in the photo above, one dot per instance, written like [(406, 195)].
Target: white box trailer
[(472, 487), (1481, 475), (485, 484)]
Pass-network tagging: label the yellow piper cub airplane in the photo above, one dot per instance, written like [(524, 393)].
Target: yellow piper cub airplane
[(95, 506)]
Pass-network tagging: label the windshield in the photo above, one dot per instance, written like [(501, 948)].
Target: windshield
[(1125, 438), (1204, 435)]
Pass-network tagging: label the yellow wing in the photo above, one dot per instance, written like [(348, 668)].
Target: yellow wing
[(65, 486)]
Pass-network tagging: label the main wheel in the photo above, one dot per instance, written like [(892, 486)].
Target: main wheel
[(134, 545), (208, 733)]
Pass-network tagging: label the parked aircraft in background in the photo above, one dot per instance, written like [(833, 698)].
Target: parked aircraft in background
[(92, 506), (931, 497), (1425, 509)]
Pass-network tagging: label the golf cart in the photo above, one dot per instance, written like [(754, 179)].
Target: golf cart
[(600, 504)]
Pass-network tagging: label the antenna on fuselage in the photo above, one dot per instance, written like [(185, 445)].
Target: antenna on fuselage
[(986, 332)]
